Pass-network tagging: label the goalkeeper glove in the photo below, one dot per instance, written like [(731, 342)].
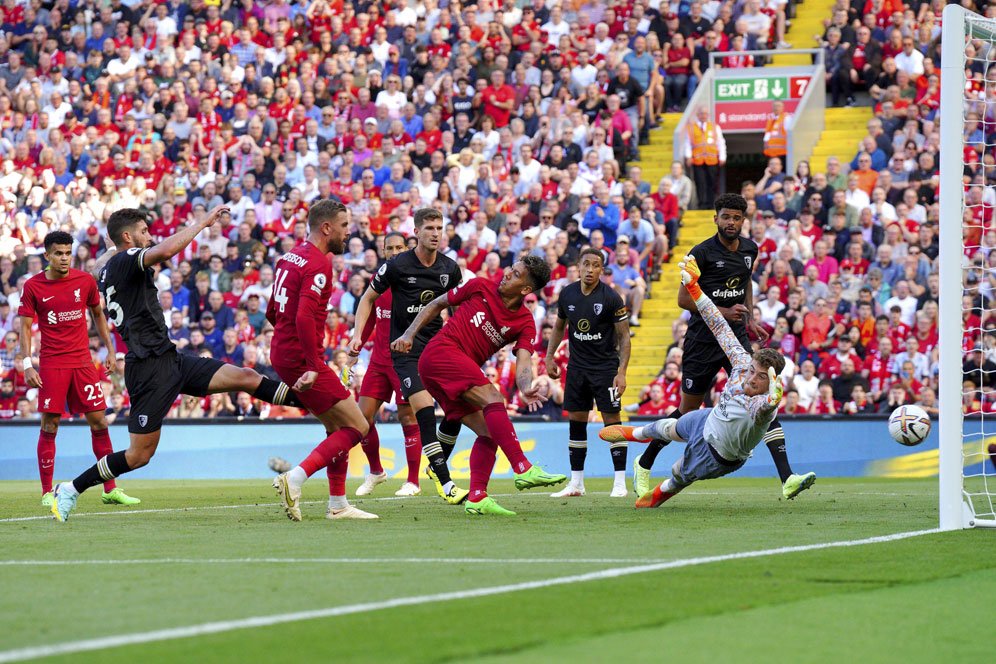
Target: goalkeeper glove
[(690, 274), (775, 388)]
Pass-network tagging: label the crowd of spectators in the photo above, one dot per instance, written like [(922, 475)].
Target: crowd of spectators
[(520, 122)]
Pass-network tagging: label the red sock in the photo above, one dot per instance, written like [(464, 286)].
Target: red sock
[(371, 447), (482, 462), (335, 446), (46, 459), (336, 472), (503, 433), (101, 442), (413, 451)]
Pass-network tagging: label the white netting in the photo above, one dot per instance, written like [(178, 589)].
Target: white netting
[(978, 305)]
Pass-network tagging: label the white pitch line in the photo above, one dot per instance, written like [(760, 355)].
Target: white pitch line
[(329, 561), (189, 631)]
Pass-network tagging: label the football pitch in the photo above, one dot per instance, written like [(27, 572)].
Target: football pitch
[(726, 572)]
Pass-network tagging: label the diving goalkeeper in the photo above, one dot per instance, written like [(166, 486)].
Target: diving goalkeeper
[(720, 439)]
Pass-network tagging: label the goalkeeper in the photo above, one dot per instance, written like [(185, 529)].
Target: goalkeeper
[(720, 439)]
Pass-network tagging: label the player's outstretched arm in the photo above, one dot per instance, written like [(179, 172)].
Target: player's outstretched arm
[(403, 344), (711, 314), (762, 405), (174, 244)]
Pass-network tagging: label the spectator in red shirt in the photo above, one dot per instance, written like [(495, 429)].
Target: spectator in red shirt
[(656, 405), (824, 403), (499, 99)]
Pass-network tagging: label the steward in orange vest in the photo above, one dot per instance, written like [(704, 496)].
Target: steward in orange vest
[(775, 133)]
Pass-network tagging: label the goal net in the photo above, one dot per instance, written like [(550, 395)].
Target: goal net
[(967, 260)]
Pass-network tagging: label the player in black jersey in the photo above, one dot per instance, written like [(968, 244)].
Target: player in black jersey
[(416, 278), (598, 341), (154, 372), (726, 261)]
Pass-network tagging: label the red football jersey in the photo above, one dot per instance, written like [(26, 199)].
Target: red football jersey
[(301, 288), (483, 325), (60, 307)]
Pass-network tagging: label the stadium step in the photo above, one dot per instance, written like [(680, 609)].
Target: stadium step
[(808, 22), (846, 127)]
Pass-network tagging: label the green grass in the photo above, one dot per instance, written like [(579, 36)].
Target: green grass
[(913, 600)]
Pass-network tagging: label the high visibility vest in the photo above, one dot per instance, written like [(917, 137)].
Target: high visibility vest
[(776, 138), (705, 149)]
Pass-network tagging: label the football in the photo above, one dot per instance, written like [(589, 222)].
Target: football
[(909, 425)]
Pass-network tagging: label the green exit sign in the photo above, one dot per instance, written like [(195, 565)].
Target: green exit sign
[(753, 89)]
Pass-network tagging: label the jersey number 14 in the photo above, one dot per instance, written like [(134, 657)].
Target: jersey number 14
[(279, 290)]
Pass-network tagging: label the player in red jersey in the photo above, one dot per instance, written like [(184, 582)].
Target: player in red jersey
[(379, 383), (490, 317), (59, 297), (301, 289)]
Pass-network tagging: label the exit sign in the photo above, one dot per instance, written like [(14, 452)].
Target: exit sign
[(743, 104)]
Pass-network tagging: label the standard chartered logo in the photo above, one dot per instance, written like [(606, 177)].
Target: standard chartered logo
[(52, 319), (477, 318)]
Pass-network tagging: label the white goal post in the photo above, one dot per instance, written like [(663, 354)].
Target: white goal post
[(967, 481)]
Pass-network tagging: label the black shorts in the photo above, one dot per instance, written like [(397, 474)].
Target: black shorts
[(406, 366), (155, 382), (585, 388), (701, 361)]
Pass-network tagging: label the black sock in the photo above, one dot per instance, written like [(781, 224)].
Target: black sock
[(617, 451), (278, 393), (448, 432), (430, 445), (775, 440), (577, 444), (655, 446), (106, 469)]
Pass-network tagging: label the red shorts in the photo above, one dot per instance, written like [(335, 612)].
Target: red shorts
[(78, 387), (447, 377), (327, 391), (380, 382)]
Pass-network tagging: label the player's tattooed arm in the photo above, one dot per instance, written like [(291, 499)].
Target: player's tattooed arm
[(528, 392), (556, 337), (403, 344), (625, 346)]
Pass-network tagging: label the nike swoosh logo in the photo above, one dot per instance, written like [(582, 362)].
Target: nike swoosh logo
[(46, 299)]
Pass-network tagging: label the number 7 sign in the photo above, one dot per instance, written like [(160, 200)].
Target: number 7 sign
[(797, 86)]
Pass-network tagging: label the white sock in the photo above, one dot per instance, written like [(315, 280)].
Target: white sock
[(620, 478), (296, 476), (338, 502), (447, 487), (69, 488), (577, 477), (638, 433)]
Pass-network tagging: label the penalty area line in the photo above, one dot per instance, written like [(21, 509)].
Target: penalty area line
[(217, 627)]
